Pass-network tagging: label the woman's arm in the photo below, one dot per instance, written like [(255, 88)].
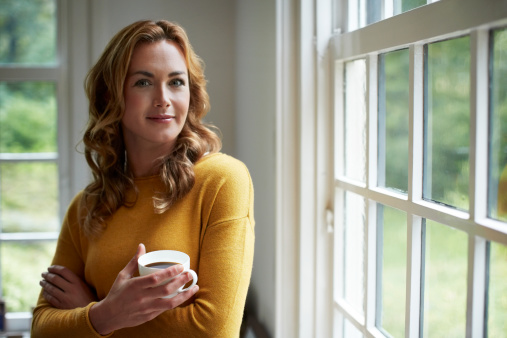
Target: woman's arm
[(131, 301)]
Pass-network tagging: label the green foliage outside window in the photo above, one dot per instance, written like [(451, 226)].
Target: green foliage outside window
[(447, 122), (28, 124), (28, 31)]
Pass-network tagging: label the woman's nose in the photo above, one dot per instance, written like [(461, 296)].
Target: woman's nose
[(161, 98)]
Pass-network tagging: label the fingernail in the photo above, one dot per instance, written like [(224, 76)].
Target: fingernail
[(195, 289)]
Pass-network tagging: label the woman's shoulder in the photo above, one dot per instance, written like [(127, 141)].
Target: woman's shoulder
[(225, 182), (221, 165)]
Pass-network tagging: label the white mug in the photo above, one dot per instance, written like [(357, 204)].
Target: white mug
[(150, 263)]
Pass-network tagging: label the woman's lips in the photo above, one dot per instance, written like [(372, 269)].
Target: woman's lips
[(161, 118)]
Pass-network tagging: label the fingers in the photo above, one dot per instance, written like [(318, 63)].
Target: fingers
[(51, 299), (171, 303), (130, 269), (157, 278), (163, 304), (64, 272), (55, 279), (51, 293), (160, 291)]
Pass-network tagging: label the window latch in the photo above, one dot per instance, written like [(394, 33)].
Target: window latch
[(329, 221)]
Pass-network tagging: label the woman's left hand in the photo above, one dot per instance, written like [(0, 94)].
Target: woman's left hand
[(63, 289)]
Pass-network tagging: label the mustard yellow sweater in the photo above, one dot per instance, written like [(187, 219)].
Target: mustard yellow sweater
[(213, 224)]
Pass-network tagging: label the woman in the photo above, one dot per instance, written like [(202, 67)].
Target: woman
[(158, 179)]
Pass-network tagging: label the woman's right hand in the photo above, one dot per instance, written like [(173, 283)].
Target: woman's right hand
[(134, 301)]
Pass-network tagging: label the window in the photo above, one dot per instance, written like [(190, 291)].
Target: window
[(31, 91), (420, 160)]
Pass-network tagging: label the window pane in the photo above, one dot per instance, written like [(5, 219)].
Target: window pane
[(445, 281), (447, 122), (497, 291), (28, 32), (22, 264), (29, 196), (26, 107), (356, 17), (354, 221), (401, 6), (355, 120), (393, 103), (391, 276), (498, 127)]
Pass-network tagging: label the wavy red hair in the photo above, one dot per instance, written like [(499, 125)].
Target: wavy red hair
[(103, 139)]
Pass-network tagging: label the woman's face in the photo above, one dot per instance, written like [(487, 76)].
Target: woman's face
[(157, 96)]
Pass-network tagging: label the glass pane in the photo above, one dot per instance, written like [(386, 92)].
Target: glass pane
[(401, 6), (393, 125), (497, 206), (29, 196), (445, 281), (26, 107), (28, 32), (354, 221), (356, 16), (447, 122), (497, 291), (391, 275), (355, 120), (21, 265)]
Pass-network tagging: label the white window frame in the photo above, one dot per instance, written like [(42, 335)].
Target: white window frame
[(431, 23), (73, 60)]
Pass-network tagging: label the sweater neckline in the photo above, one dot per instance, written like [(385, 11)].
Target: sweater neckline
[(156, 176)]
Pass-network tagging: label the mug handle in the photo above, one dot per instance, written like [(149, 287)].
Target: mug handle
[(194, 281)]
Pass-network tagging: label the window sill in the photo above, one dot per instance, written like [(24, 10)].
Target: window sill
[(17, 324)]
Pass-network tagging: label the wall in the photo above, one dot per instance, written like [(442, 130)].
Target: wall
[(255, 139)]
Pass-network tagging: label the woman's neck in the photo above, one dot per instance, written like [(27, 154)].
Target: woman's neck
[(144, 162)]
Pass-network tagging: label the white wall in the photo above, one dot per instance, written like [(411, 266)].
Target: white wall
[(255, 139)]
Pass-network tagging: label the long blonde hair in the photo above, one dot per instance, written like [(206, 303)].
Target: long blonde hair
[(103, 138)]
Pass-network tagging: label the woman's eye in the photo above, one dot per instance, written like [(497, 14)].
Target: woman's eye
[(142, 83), (177, 82)]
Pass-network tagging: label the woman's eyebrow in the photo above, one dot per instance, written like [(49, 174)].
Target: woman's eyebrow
[(148, 74), (177, 73), (142, 72)]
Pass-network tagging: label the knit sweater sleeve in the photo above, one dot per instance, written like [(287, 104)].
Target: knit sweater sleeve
[(49, 321)]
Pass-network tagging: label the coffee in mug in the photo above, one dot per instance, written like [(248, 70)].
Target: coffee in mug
[(155, 260)]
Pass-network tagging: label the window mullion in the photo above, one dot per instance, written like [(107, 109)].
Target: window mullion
[(414, 264), (371, 182), (416, 113), (415, 176), (476, 286), (372, 120), (479, 124), (478, 180), (30, 73)]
